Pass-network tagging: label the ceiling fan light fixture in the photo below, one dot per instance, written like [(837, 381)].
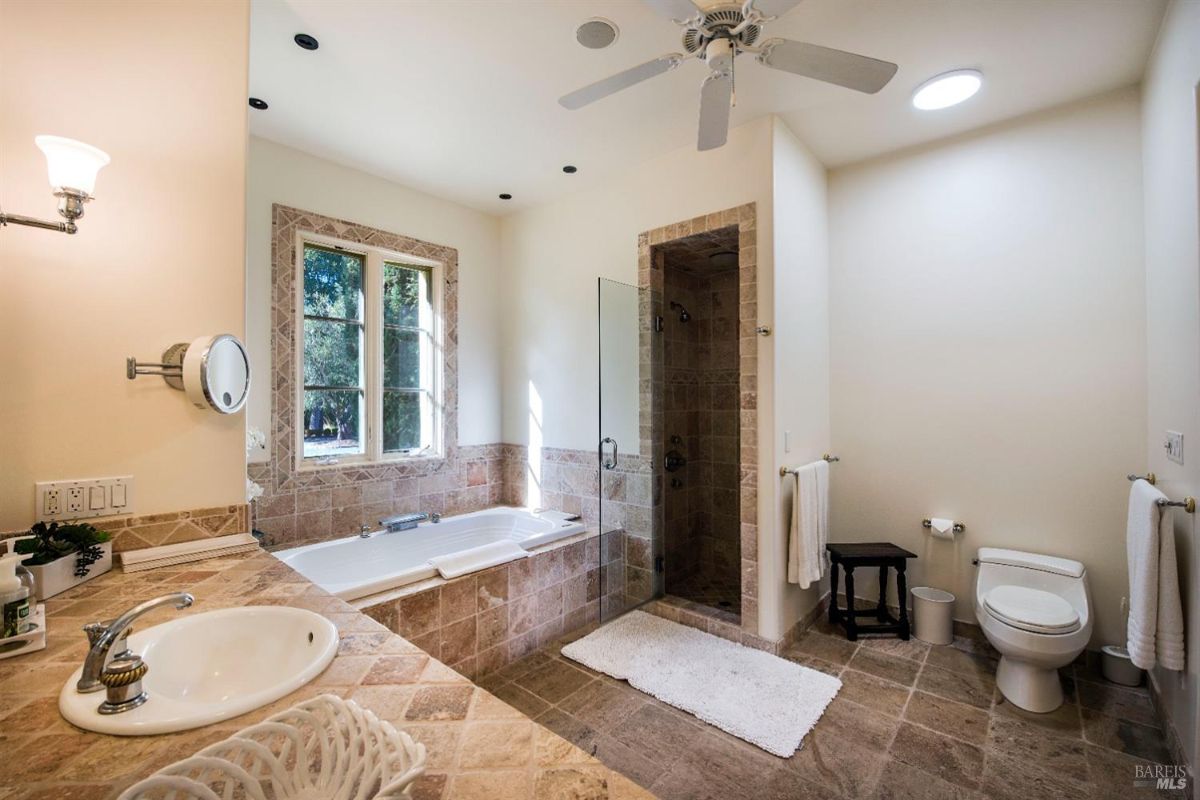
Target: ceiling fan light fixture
[(947, 89)]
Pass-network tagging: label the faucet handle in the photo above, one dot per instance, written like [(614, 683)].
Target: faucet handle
[(95, 630), (122, 679)]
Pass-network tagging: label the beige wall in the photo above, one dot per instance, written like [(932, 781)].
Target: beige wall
[(553, 255), (800, 320), (1172, 219), (988, 345), (159, 257), (279, 174)]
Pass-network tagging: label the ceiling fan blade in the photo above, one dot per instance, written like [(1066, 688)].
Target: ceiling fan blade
[(826, 64), (622, 80), (715, 96), (674, 10), (774, 8)]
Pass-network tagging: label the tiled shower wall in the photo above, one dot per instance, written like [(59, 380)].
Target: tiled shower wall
[(703, 527)]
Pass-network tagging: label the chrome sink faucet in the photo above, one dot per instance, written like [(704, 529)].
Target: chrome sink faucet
[(108, 639)]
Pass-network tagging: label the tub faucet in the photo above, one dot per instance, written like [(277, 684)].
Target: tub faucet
[(108, 639), (435, 517), (403, 522)]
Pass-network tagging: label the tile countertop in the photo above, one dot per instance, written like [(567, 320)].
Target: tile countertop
[(478, 747)]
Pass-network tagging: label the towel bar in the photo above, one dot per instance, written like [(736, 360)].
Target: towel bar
[(1188, 504), (1149, 478), (791, 470)]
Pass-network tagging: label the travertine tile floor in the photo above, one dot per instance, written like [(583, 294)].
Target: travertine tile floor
[(911, 721)]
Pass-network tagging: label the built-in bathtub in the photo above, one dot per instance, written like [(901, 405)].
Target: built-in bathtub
[(359, 566)]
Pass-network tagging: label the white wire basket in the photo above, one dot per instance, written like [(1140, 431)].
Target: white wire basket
[(326, 748)]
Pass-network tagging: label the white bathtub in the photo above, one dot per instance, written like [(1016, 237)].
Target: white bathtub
[(355, 567)]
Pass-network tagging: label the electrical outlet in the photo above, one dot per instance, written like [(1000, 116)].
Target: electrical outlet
[(51, 503), (1174, 446), (87, 497), (74, 500)]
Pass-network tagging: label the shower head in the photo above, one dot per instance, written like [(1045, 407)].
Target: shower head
[(684, 316)]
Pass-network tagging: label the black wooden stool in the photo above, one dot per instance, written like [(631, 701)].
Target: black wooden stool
[(873, 554)]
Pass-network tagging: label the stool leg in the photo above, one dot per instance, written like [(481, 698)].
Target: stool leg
[(851, 622), (902, 595), (881, 612), (834, 616)]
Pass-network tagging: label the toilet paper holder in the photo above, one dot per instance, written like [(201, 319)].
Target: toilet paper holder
[(958, 526)]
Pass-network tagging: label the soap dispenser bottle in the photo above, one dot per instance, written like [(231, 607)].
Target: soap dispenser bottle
[(14, 597)]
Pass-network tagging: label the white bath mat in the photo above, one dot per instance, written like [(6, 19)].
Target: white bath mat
[(764, 699)]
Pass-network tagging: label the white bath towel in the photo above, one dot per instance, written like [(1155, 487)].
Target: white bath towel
[(1155, 628), (810, 524), (477, 558)]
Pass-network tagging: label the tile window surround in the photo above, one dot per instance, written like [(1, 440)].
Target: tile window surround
[(310, 505)]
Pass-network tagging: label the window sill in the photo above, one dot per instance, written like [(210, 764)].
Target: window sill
[(313, 466)]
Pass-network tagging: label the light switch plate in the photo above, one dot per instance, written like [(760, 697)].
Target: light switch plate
[(86, 497), (1174, 446)]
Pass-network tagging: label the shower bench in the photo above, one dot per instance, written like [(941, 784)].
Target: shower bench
[(885, 556)]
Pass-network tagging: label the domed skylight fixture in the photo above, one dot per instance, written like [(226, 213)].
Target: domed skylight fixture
[(947, 89)]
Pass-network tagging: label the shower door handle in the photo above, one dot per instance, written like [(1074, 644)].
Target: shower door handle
[(604, 462)]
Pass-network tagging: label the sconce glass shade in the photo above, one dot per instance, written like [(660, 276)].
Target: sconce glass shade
[(72, 164)]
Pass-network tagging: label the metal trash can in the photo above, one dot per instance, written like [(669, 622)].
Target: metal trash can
[(933, 615)]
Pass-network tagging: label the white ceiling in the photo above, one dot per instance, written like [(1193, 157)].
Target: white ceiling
[(458, 98)]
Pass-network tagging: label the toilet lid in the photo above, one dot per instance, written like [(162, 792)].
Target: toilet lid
[(1031, 609)]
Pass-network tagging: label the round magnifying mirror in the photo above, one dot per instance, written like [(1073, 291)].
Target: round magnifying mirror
[(216, 373)]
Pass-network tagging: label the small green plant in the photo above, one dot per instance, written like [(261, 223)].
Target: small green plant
[(52, 542)]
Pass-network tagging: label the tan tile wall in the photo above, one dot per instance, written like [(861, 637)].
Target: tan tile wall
[(472, 480), (172, 527), (479, 623)]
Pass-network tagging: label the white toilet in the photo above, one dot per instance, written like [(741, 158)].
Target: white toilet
[(1035, 610)]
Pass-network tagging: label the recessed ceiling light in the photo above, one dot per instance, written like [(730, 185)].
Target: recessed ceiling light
[(506, 196), (261, 105), (570, 169), (306, 41), (597, 33), (947, 89)]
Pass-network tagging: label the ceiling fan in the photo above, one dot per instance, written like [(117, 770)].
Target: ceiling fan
[(720, 33)]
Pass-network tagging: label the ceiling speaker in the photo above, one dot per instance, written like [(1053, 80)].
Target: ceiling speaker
[(597, 33)]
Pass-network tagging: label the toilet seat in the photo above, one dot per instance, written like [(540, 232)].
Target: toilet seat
[(1031, 610)]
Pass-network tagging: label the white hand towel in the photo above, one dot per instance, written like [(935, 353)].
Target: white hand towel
[(477, 558), (809, 531), (1155, 627)]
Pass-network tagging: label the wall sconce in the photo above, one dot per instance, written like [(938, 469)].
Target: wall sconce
[(72, 166)]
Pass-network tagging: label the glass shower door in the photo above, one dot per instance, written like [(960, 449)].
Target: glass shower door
[(625, 486)]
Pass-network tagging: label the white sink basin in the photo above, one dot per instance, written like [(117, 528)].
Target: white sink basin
[(208, 667)]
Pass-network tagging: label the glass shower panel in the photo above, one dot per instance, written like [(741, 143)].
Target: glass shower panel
[(625, 502)]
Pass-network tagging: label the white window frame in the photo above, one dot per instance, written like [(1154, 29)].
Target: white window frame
[(374, 259)]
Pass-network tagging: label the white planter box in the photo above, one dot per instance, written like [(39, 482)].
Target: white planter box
[(58, 576)]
